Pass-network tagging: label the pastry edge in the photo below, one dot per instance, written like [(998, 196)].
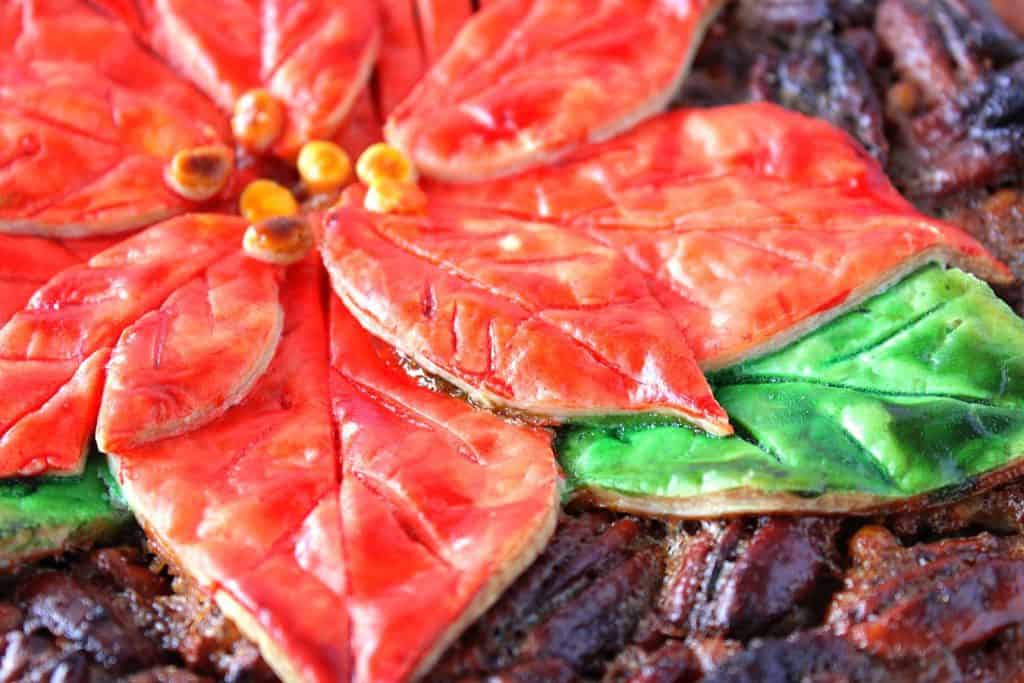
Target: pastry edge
[(27, 226), (197, 420), (745, 501), (282, 665), (493, 589), (490, 401)]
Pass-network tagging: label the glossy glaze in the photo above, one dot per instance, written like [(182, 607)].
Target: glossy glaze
[(232, 501), (54, 349), (314, 56), (26, 264), (88, 119), (401, 65), (361, 128), (922, 387), (184, 364), (416, 34), (443, 505), (526, 82), (749, 222), (520, 314), (440, 22), (409, 525)]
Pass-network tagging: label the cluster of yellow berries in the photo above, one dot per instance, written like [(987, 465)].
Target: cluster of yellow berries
[(277, 233)]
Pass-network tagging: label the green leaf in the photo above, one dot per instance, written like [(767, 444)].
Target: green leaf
[(45, 516), (920, 388)]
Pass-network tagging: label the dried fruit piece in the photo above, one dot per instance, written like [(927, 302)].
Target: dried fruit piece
[(819, 656), (583, 548), (974, 139), (825, 77), (200, 173), (386, 196), (262, 199), (943, 45), (934, 596), (258, 120), (742, 579), (282, 241)]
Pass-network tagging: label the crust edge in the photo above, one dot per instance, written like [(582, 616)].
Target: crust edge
[(489, 592), (741, 501)]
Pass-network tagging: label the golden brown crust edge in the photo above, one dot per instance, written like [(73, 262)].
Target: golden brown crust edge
[(493, 589), (247, 624), (745, 501), (250, 627)]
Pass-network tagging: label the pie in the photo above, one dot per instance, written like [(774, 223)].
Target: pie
[(632, 340)]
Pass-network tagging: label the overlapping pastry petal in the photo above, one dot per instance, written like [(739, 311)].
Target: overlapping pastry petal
[(348, 519), (751, 224), (526, 82), (314, 56), (520, 314), (54, 349), (183, 365), (88, 121), (27, 263), (915, 396)]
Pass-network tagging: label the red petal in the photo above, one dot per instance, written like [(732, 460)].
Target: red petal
[(528, 81), (88, 120)]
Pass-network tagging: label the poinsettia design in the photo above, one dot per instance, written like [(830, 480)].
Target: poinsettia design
[(751, 224), (27, 263), (265, 430), (537, 327), (55, 349)]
